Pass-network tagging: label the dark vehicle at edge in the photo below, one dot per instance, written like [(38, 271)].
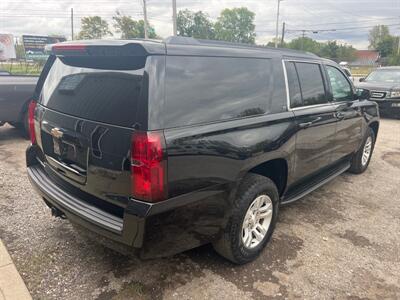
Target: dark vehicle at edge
[(16, 92), (384, 86), (159, 147)]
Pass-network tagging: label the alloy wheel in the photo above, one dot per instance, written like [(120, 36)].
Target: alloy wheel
[(257, 221), (366, 151)]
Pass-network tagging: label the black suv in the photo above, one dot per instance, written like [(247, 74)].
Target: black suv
[(165, 146), (384, 87)]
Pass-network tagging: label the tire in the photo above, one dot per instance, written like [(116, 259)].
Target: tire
[(231, 244), (15, 124), (25, 125), (358, 163)]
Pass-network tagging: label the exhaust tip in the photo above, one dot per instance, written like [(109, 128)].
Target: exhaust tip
[(55, 212)]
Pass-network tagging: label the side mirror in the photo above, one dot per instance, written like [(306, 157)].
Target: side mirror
[(362, 79), (363, 94)]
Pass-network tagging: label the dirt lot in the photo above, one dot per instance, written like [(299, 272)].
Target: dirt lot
[(342, 241)]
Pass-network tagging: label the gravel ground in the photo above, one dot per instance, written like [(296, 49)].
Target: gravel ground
[(341, 241)]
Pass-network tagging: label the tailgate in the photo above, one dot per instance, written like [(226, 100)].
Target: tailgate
[(87, 110)]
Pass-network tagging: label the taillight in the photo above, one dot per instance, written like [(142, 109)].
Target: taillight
[(148, 166), (31, 121)]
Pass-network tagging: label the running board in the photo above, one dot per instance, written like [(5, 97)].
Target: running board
[(302, 192)]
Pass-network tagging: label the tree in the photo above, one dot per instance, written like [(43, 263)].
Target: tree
[(236, 25), (380, 39), (387, 46), (377, 34), (194, 24), (305, 44), (330, 50), (394, 60), (130, 28), (93, 28), (346, 53)]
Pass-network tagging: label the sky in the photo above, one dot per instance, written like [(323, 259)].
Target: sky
[(347, 21)]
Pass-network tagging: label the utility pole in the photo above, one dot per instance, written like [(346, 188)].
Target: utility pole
[(277, 24), (283, 34), (72, 23), (302, 39), (398, 46), (174, 17), (146, 35)]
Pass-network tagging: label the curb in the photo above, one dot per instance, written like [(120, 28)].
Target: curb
[(11, 284)]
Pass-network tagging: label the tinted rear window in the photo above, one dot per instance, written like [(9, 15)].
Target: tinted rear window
[(107, 96), (207, 89), (311, 83)]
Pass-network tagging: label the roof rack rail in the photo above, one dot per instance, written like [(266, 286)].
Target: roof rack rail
[(182, 40)]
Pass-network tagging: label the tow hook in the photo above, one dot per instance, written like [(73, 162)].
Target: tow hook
[(55, 212)]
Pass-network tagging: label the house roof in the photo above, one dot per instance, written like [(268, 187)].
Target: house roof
[(366, 57)]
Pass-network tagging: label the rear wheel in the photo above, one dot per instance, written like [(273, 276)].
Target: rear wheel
[(25, 125), (252, 220), (15, 124), (362, 157)]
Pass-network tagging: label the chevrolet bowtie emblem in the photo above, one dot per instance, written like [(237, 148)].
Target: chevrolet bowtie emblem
[(57, 133)]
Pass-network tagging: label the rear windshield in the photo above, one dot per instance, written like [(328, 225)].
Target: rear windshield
[(107, 96)]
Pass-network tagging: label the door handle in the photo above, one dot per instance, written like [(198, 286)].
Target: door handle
[(339, 115), (308, 124)]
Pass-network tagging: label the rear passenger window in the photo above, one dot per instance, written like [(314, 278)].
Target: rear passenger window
[(207, 89), (311, 83)]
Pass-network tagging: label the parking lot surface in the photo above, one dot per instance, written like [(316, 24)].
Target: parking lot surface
[(341, 241)]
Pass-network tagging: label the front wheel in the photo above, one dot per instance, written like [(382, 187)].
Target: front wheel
[(252, 221), (361, 159)]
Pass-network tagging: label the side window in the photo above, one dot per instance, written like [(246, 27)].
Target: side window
[(341, 88), (294, 86), (311, 83), (209, 89)]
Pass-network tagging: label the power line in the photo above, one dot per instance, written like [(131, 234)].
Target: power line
[(340, 29), (354, 21)]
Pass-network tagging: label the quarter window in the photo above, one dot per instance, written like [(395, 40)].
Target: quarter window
[(341, 88), (294, 85)]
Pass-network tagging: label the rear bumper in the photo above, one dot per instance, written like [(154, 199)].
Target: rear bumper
[(127, 230), (155, 230)]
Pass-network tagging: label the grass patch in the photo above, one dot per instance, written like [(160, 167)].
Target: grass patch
[(361, 71), (22, 68)]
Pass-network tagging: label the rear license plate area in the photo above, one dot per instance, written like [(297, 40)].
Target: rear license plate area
[(396, 104)]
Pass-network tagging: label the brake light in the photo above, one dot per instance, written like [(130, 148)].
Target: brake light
[(31, 121), (148, 166), (68, 48)]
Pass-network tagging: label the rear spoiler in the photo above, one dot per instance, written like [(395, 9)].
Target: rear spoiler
[(107, 55)]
